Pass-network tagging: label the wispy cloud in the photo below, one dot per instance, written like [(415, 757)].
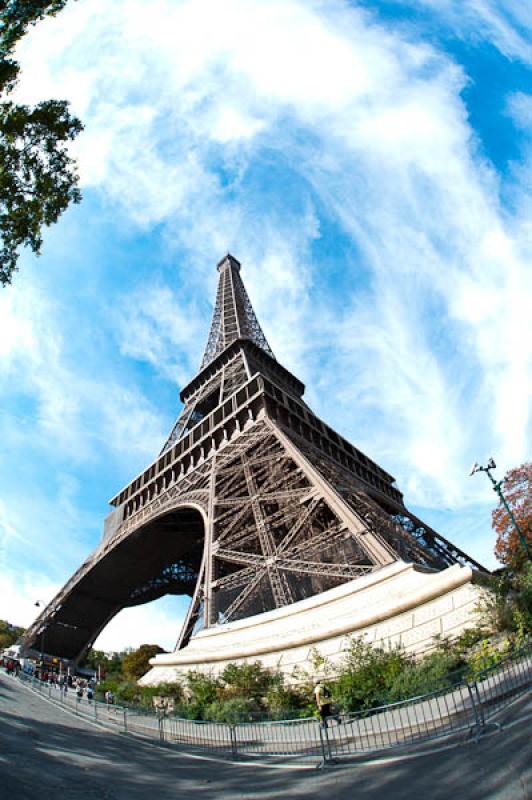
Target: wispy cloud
[(74, 410), (369, 128), (333, 154), (507, 24)]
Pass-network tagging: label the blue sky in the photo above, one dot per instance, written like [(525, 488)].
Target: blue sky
[(369, 165)]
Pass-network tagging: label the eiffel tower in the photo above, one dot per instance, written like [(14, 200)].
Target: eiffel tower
[(253, 503)]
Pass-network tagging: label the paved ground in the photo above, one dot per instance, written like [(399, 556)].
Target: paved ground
[(45, 751)]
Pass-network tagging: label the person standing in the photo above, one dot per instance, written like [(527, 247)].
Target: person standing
[(323, 701)]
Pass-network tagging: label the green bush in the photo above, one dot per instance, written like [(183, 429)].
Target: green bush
[(190, 710), (486, 655), (249, 680), (283, 702), (367, 675), (508, 605), (173, 690), (468, 639), (233, 710), (436, 671), (110, 683), (125, 692), (203, 690)]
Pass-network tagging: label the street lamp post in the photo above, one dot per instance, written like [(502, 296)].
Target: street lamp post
[(497, 487), (38, 605)]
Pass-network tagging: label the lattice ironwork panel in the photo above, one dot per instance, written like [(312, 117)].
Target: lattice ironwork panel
[(233, 316), (275, 538), (411, 539)]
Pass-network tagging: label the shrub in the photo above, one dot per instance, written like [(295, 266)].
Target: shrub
[(173, 690), (367, 675), (202, 689), (284, 702), (508, 607), (233, 710), (468, 639), (249, 680), (496, 605), (436, 671), (136, 663), (485, 656), (127, 692), (110, 683)]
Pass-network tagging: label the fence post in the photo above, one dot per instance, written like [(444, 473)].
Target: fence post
[(95, 711), (125, 719), (477, 708), (160, 721), (326, 755), (232, 736)]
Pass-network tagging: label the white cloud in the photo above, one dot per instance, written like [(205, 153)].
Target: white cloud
[(388, 152), (157, 326), (507, 24), (251, 127), (76, 411), (520, 109), (19, 593)]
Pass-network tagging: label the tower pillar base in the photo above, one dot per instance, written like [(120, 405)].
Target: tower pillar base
[(399, 604)]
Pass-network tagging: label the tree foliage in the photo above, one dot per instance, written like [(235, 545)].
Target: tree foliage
[(107, 663), (136, 664), (9, 634), (38, 180), (518, 493)]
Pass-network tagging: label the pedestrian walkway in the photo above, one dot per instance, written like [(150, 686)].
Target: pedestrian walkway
[(44, 747)]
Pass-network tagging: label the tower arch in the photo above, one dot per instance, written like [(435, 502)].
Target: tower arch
[(160, 557)]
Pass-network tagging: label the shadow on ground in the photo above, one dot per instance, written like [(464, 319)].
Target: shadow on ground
[(43, 749)]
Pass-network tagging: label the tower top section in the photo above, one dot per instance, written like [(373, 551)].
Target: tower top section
[(228, 261), (233, 316)]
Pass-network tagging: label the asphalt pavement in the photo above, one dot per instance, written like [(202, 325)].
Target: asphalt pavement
[(46, 751)]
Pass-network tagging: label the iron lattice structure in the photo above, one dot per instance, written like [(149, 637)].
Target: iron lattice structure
[(253, 503)]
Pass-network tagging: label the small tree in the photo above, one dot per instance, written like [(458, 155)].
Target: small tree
[(38, 179), (518, 493), (137, 663), (8, 634)]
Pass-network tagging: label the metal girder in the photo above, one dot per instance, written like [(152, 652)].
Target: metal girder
[(347, 571), (239, 601)]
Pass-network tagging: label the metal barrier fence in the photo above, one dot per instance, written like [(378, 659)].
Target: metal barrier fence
[(417, 719), (464, 706), (497, 686)]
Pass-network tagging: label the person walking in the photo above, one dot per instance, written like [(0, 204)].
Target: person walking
[(323, 701)]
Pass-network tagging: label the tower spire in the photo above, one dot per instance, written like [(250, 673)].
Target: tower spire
[(233, 316)]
